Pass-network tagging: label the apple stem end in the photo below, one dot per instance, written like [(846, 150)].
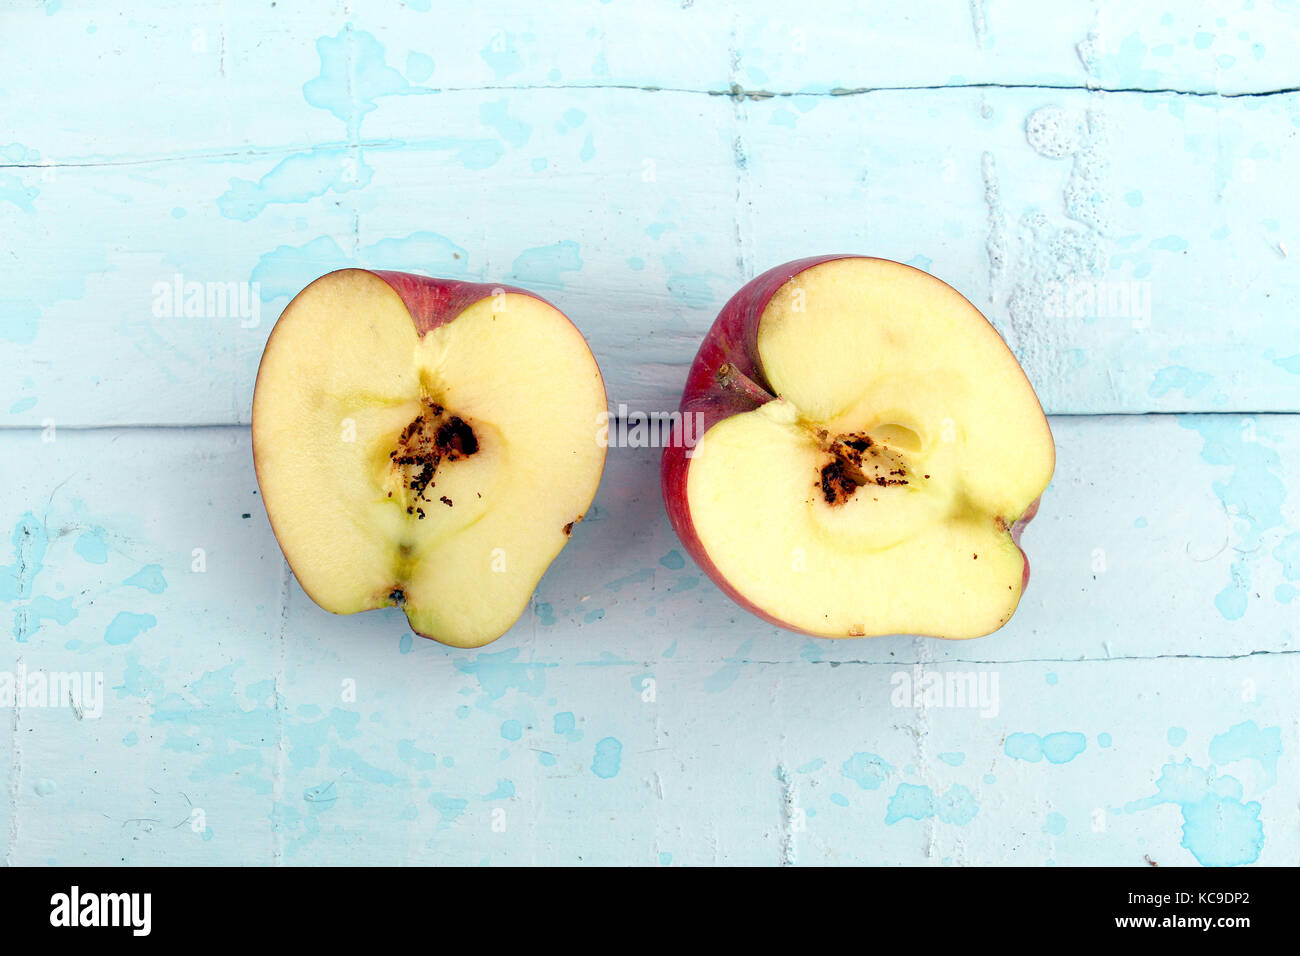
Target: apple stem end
[(733, 378)]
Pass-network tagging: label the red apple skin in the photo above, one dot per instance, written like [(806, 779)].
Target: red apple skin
[(733, 339), (435, 302)]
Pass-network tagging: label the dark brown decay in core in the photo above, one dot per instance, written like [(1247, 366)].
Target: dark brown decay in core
[(398, 596), (837, 486), (456, 439), (856, 460), (425, 443)]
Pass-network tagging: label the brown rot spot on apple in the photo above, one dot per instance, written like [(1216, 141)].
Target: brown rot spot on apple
[(1001, 524), (568, 529), (857, 460), (397, 596), (445, 500), (837, 485), (456, 439), (431, 438)]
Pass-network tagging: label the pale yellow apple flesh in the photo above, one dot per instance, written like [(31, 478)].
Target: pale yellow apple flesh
[(440, 472), (877, 495)]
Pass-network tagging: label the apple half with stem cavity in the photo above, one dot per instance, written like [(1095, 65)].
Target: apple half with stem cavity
[(425, 443), (866, 451)]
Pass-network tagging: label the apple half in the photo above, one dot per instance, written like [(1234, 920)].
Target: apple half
[(867, 452), (425, 443)]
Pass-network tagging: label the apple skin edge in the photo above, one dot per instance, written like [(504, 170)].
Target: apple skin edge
[(435, 302), (733, 339)]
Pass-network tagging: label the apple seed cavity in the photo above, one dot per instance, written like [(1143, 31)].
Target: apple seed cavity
[(430, 439), (857, 460)]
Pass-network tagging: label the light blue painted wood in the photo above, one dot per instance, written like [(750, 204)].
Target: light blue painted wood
[(1135, 249), (310, 738), (1144, 704), (234, 70)]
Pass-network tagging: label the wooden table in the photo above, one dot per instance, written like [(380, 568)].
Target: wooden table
[(1114, 185)]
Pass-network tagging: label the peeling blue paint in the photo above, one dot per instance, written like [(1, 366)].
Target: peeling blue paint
[(1060, 747), (867, 770), (149, 578), (126, 627), (1219, 829), (1248, 741), (608, 758), (912, 802)]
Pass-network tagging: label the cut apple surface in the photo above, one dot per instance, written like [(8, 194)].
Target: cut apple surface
[(870, 450), (425, 443)]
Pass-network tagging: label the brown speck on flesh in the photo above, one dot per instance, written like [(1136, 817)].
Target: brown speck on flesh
[(1001, 523), (927, 476), (445, 500), (568, 529), (975, 557)]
